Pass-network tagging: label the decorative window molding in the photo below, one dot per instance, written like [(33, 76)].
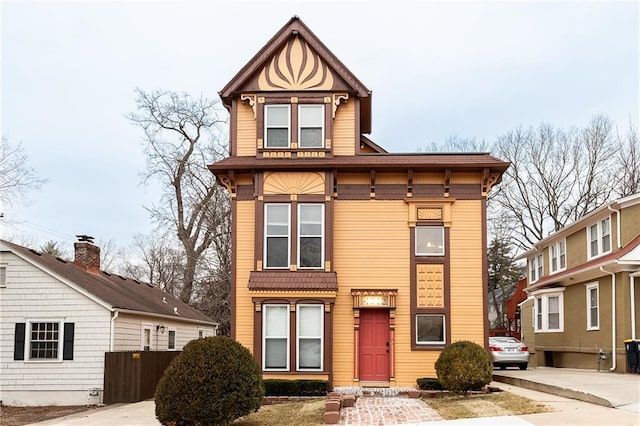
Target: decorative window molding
[(593, 306), (599, 238), (558, 257), (549, 310)]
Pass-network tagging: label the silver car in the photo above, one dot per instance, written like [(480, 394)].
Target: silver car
[(507, 351)]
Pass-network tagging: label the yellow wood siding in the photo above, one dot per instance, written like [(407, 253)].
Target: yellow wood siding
[(245, 224), (391, 178), (353, 179), (467, 289), (466, 178), (344, 129), (246, 131), (630, 224), (428, 178)]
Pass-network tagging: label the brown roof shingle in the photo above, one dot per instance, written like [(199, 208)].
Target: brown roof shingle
[(114, 290), (272, 280)]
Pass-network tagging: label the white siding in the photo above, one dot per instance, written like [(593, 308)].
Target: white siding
[(128, 332), (31, 294)]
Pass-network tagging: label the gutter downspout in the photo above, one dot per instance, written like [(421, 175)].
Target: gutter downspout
[(613, 317), (632, 290), (618, 231), (113, 330)]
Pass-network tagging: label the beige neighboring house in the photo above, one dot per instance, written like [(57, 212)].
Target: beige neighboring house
[(583, 290), (58, 318)]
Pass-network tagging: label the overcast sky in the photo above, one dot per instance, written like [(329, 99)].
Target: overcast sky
[(436, 69)]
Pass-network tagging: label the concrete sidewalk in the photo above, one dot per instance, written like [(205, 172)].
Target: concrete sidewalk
[(564, 391), (603, 388)]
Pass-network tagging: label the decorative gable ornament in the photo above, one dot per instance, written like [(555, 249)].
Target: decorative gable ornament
[(296, 67)]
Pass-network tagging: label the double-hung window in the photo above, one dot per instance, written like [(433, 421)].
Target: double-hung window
[(277, 122), (275, 337), (44, 341), (599, 235), (171, 340), (536, 267), (549, 311), (310, 126), (310, 235), (593, 317), (557, 256), (429, 241), (277, 231), (309, 337)]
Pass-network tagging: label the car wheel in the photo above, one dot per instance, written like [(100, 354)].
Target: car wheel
[(503, 367), (522, 366)]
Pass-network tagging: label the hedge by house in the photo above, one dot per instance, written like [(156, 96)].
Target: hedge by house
[(464, 366), (281, 387), (212, 382)]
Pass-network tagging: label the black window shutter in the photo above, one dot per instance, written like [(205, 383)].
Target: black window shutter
[(18, 342), (67, 350)]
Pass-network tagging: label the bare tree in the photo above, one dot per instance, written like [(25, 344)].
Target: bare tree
[(555, 177), (628, 158), (154, 260), (16, 176), (182, 136), (458, 144)]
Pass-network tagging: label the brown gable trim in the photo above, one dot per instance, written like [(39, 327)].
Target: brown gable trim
[(295, 26), (371, 144), (268, 280)]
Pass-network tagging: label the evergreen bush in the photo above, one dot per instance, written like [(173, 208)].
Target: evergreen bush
[(212, 382), (282, 387), (464, 366)]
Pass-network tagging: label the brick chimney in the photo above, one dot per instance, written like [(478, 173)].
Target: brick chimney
[(87, 255)]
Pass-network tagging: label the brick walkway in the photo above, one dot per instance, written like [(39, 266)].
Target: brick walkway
[(375, 411)]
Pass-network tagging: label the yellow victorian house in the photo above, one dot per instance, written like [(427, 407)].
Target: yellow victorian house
[(350, 264)]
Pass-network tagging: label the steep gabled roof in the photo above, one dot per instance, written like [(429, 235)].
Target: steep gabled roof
[(293, 29), (112, 291)]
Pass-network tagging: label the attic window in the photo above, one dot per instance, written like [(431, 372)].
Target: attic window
[(277, 124), (311, 128)]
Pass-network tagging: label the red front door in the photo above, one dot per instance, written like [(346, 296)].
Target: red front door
[(374, 345)]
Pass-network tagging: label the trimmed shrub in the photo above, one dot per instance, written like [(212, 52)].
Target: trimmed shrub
[(212, 382), (281, 387), (464, 366), (427, 383)]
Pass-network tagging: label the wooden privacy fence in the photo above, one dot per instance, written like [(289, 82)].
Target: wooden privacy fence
[(133, 376)]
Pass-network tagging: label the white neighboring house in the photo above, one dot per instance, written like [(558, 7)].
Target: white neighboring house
[(58, 318)]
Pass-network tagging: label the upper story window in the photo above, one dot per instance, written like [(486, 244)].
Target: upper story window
[(308, 235), (277, 126), (557, 256), (599, 237), (302, 126), (429, 241), (310, 126), (277, 230), (536, 267)]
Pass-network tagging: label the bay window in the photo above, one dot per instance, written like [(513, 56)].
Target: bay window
[(548, 305)]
